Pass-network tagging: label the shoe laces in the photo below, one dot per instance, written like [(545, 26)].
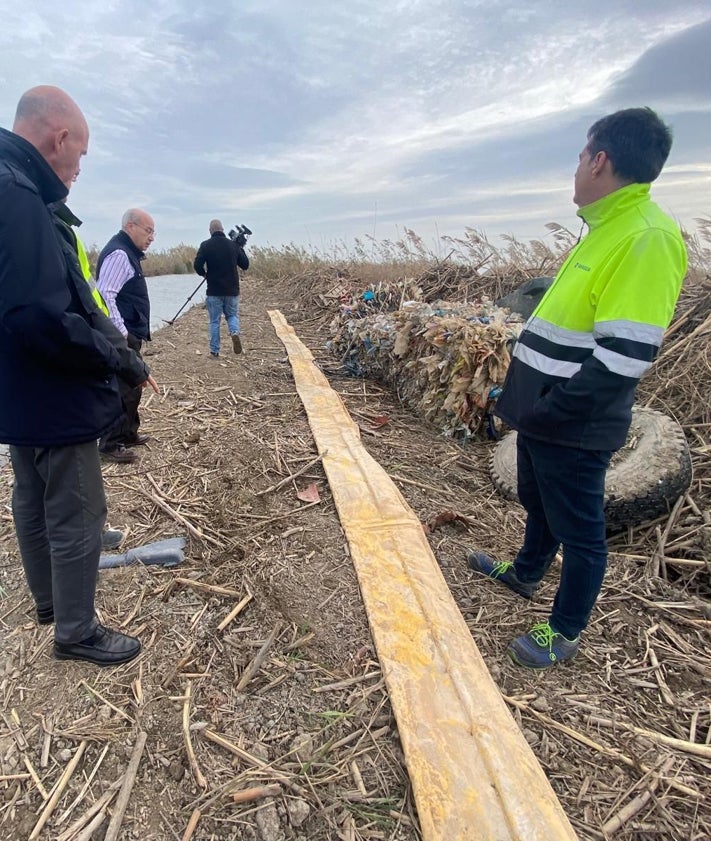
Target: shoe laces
[(544, 637), (501, 568)]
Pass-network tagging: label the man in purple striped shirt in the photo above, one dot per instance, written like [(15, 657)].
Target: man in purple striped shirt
[(120, 280)]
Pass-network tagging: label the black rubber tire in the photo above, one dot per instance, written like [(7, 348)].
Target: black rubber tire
[(645, 477), (526, 297)]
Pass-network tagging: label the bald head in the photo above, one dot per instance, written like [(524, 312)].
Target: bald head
[(215, 226), (53, 123)]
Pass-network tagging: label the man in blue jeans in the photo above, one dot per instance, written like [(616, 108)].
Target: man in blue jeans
[(219, 260), (571, 384)]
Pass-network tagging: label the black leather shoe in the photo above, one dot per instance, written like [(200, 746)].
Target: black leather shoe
[(119, 454), (138, 440), (105, 648), (111, 539), (236, 343)]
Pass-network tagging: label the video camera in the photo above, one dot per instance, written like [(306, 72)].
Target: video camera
[(239, 235)]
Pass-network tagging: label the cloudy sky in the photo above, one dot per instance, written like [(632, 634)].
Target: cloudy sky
[(318, 122)]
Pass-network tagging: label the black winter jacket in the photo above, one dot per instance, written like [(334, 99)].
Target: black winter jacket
[(218, 259), (133, 369), (57, 366)]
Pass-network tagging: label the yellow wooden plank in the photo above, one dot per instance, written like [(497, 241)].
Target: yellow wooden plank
[(473, 774)]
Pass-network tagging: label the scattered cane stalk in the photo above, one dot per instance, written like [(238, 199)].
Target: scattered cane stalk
[(58, 791), (192, 759), (112, 833), (192, 825), (256, 793), (635, 806), (256, 663)]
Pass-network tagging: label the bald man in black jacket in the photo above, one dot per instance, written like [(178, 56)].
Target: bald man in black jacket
[(218, 260), (59, 357)]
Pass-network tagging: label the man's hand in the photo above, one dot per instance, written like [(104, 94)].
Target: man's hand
[(152, 383)]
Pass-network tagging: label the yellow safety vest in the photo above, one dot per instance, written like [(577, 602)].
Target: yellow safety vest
[(86, 271)]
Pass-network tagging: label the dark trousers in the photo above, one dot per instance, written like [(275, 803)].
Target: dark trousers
[(563, 492), (126, 429), (59, 508)]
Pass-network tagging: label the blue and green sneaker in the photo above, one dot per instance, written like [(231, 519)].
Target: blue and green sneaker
[(502, 571), (542, 647)]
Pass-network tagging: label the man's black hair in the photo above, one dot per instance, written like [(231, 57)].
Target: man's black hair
[(635, 140)]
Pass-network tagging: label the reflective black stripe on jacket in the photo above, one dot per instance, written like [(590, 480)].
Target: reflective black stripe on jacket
[(597, 330)]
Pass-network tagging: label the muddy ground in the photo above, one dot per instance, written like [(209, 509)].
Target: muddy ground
[(285, 695)]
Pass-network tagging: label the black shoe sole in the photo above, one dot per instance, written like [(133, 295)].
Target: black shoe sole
[(96, 660)]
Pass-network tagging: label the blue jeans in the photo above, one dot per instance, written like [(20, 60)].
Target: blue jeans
[(563, 492), (218, 305)]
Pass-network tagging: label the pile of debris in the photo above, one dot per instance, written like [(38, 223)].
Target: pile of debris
[(447, 361), (383, 296)]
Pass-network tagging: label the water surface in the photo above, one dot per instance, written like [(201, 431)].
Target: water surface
[(169, 292)]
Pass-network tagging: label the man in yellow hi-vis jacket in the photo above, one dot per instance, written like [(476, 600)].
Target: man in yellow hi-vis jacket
[(575, 368), (67, 222)]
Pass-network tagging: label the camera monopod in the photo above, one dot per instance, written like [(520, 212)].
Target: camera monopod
[(172, 320)]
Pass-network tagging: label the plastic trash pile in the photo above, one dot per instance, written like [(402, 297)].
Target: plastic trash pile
[(447, 361)]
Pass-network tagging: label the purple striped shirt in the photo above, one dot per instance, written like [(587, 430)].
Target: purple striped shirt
[(116, 269)]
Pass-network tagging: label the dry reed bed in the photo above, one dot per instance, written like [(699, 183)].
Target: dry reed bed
[(636, 707), (258, 677)]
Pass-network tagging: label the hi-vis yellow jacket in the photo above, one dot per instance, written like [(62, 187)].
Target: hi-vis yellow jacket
[(88, 277), (575, 367), (67, 224)]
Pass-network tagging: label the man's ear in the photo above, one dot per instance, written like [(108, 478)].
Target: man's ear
[(599, 162), (59, 139)]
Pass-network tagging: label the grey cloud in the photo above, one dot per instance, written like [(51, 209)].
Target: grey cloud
[(676, 73), (207, 174), (336, 110)]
